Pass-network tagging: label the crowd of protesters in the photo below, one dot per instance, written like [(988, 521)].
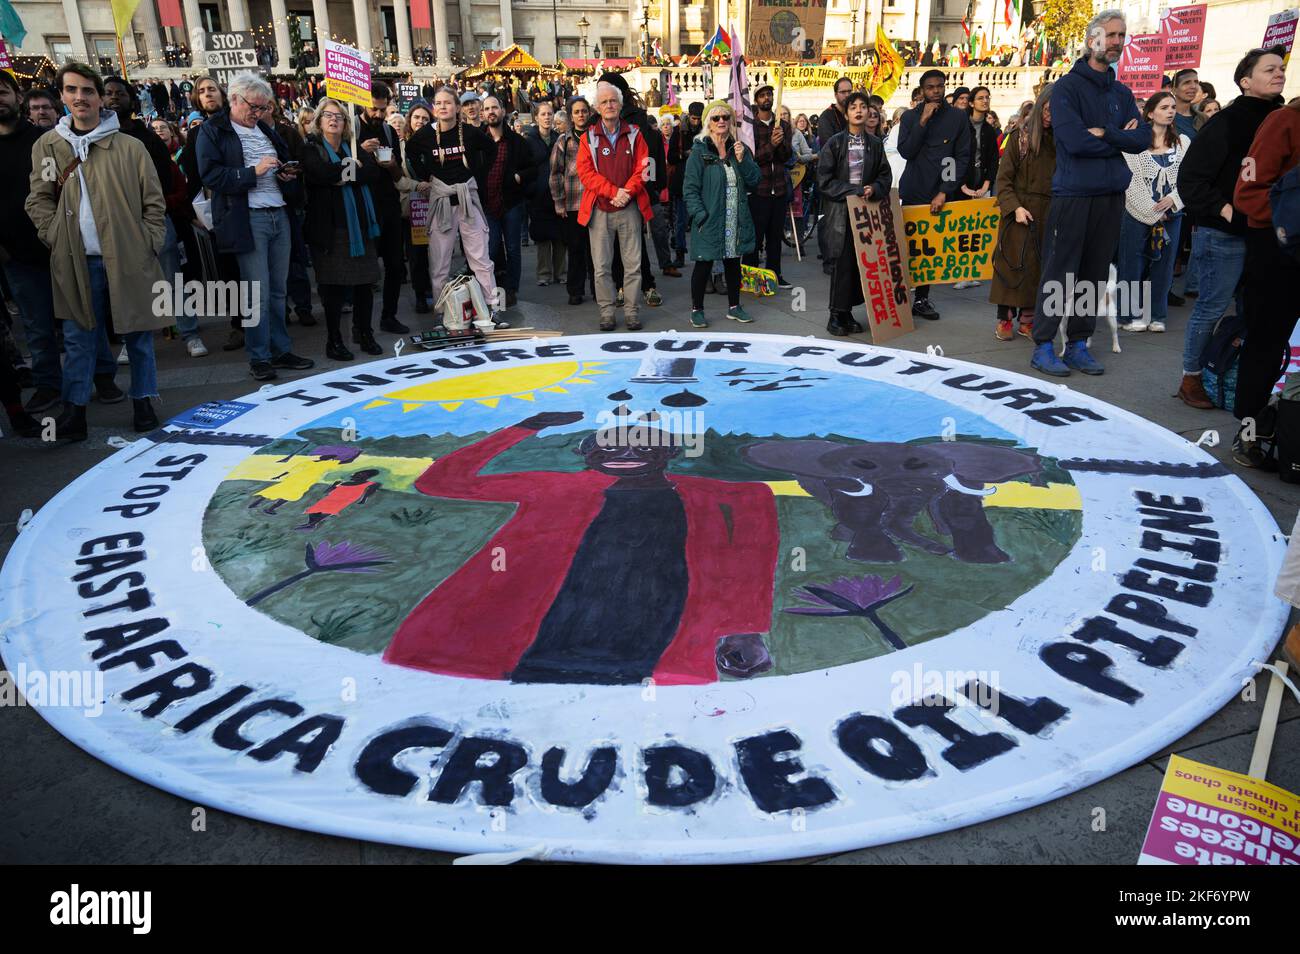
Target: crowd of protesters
[(112, 188)]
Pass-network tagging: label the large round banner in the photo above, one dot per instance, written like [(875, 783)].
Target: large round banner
[(644, 597)]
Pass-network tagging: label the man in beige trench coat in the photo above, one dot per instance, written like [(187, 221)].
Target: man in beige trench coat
[(97, 203)]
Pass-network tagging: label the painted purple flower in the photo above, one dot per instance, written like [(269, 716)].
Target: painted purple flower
[(325, 557), (854, 596), (344, 556)]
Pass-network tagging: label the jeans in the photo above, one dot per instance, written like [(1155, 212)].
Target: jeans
[(659, 235), (268, 266), (1220, 258), (170, 260), (504, 238), (34, 296), (85, 349), (1137, 265)]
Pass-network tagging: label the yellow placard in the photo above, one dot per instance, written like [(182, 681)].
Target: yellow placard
[(347, 74), (952, 245)]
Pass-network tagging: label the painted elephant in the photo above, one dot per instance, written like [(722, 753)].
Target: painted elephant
[(876, 491)]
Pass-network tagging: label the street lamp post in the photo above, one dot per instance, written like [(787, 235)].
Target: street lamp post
[(583, 27), (645, 33)]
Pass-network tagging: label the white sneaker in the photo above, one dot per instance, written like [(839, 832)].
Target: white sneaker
[(1156, 326), (196, 348), (967, 284), (124, 358), (1140, 324)]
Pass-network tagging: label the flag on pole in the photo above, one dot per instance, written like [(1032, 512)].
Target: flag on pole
[(123, 11), (719, 46), (887, 71), (11, 25), (741, 107), (169, 13), (420, 15)]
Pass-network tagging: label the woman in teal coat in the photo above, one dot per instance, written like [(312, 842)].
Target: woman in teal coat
[(719, 174)]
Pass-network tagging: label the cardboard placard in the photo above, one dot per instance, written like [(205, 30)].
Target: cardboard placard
[(420, 206), (229, 54), (787, 31), (1209, 816), (347, 74), (953, 245), (1141, 66), (1184, 31), (1280, 30), (876, 227), (407, 93)]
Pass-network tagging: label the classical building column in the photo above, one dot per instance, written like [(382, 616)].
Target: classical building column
[(146, 21), (441, 34), (507, 25), (283, 45), (76, 34), (468, 48), (320, 15), (361, 20), (674, 27), (238, 15), (403, 21), (195, 35)]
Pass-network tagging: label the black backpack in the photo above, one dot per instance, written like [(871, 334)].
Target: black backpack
[(1219, 361)]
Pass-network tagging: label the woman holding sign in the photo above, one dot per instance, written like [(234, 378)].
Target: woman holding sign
[(851, 163), (341, 226), (1024, 193)]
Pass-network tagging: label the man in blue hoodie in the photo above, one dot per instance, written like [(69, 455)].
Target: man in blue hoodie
[(1094, 120)]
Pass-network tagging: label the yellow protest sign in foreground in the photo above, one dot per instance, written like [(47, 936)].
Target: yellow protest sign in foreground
[(1210, 816), (952, 245)]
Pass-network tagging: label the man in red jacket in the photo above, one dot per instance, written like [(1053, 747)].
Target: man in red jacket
[(613, 575), (613, 165)]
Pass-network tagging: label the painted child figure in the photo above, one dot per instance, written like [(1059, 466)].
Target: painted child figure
[(355, 489)]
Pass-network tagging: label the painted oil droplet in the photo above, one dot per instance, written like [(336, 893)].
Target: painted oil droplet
[(622, 411), (650, 418), (684, 398), (621, 396)]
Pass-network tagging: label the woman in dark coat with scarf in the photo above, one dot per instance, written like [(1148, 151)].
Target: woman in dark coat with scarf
[(1024, 194), (543, 223), (341, 227), (852, 162)]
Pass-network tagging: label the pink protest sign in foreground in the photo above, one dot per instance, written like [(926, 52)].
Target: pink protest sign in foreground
[(1184, 31), (347, 74), (1210, 816), (1141, 66), (1280, 30)]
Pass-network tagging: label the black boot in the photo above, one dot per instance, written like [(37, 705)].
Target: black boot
[(335, 350), (837, 326), (392, 326), (71, 424), (365, 340), (22, 423), (143, 418)]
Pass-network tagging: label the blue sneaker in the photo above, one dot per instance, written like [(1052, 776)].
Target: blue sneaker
[(1076, 356), (1046, 361)]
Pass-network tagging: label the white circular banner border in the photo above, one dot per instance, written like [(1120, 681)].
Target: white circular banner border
[(1100, 735)]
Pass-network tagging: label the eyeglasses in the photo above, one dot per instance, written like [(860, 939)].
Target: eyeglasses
[(330, 114), (719, 119), (257, 110)]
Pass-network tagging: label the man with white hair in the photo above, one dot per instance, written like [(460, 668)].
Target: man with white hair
[(614, 202), (240, 159), (1095, 121)]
